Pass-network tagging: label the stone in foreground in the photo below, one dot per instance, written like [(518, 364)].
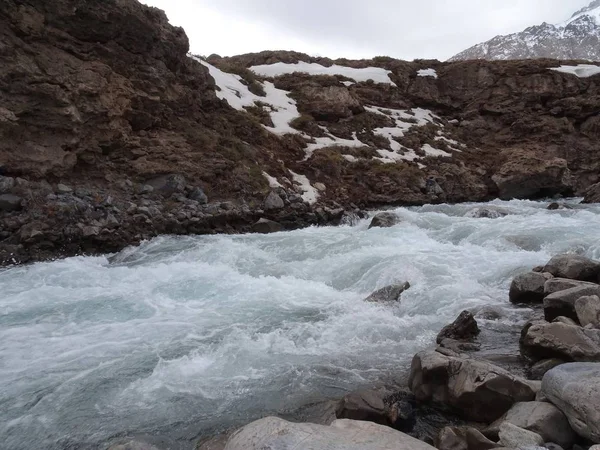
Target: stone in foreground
[(562, 303), (588, 311), (273, 433), (463, 438), (512, 436), (266, 226), (364, 405), (575, 389), (478, 390), (542, 418), (559, 340), (574, 267), (528, 288)]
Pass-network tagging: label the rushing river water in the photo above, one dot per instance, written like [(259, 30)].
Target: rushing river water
[(188, 334)]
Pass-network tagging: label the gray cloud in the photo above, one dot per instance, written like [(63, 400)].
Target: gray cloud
[(406, 29)]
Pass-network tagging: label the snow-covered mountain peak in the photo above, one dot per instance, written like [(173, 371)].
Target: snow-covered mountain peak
[(576, 38)]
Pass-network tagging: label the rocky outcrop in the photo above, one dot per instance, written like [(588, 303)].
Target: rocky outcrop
[(477, 389), (575, 389), (390, 293), (592, 194), (274, 433)]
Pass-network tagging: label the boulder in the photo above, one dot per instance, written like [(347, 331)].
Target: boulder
[(542, 418), (539, 369), (575, 389), (198, 195), (559, 340), (273, 201), (168, 185), (463, 438), (592, 194), (384, 220), (366, 406), (512, 436), (489, 313), (266, 226), (528, 288), (459, 346), (562, 303), (588, 311), (486, 213), (63, 189), (562, 284), (463, 328), (10, 202), (565, 320), (277, 434), (574, 267), (477, 389), (390, 293), (6, 184)]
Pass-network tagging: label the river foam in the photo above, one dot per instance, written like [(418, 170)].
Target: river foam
[(188, 334)]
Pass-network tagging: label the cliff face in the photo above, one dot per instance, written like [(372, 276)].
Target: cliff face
[(111, 133)]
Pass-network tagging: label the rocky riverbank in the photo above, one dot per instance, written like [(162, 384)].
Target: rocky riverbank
[(457, 398)]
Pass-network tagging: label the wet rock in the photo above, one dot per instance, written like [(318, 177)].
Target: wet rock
[(364, 405), (6, 184), (266, 226), (588, 311), (528, 288), (463, 328), (561, 341), (390, 293), (489, 313), (273, 201), (562, 284), (168, 185), (463, 438), (512, 436), (477, 390), (275, 433), (542, 418), (562, 303), (555, 206), (198, 195), (539, 369), (486, 213), (384, 220), (574, 267), (432, 187), (10, 202), (459, 346), (575, 389), (592, 194)]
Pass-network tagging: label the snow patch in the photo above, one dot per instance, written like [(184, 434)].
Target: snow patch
[(273, 183), (348, 83), (331, 141), (389, 157), (310, 194), (427, 73), (283, 109), (376, 74), (231, 87), (350, 158), (580, 70), (432, 151)]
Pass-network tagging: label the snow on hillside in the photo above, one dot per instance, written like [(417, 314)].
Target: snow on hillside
[(376, 74), (581, 70), (427, 73)]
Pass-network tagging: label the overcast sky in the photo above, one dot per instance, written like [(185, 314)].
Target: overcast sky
[(405, 29)]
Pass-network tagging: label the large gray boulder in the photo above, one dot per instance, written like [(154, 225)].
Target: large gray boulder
[(384, 220), (588, 311), (528, 288), (366, 406), (273, 433), (463, 438), (390, 293), (575, 389), (539, 369), (542, 418), (574, 267), (477, 389), (464, 328), (512, 436), (266, 226), (561, 284), (559, 340), (273, 201), (562, 303), (10, 202)]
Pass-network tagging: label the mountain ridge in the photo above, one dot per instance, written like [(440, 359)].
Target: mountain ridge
[(576, 38)]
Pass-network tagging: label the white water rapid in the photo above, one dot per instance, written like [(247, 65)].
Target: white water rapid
[(189, 334)]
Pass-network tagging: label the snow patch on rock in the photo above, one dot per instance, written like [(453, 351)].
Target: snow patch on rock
[(273, 183), (427, 73), (580, 70), (310, 194), (376, 74)]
